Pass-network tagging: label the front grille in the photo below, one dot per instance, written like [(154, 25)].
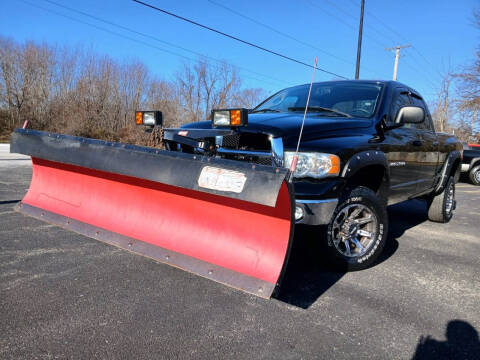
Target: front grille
[(247, 141), (231, 141), (249, 147)]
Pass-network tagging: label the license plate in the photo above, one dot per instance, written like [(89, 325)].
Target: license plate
[(221, 179)]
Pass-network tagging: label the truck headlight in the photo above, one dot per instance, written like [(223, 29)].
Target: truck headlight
[(315, 165)]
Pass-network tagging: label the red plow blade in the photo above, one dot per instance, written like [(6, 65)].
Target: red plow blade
[(126, 196)]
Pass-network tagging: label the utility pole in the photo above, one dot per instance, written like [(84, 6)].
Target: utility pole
[(397, 55), (359, 46)]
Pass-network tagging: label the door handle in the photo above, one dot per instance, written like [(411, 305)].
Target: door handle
[(417, 143)]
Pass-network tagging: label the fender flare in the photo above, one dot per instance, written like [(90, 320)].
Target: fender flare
[(363, 159), (452, 157), (367, 158), (473, 161)]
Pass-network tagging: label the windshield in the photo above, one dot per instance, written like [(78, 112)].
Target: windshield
[(342, 99)]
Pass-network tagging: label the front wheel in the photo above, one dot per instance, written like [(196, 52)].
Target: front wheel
[(358, 230), (474, 175)]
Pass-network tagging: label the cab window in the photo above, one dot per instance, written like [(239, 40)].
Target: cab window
[(400, 99), (427, 123)]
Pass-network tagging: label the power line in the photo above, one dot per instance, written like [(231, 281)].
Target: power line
[(414, 69), (288, 36), (428, 69), (401, 37), (278, 31), (369, 28), (332, 3), (433, 84), (427, 61), (339, 19), (388, 27), (145, 35), (339, 8), (237, 39)]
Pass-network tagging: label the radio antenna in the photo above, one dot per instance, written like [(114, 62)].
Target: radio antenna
[(293, 166)]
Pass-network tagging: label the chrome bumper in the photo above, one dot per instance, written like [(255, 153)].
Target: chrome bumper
[(316, 212)]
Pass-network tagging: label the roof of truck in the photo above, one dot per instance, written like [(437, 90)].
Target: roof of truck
[(389, 83)]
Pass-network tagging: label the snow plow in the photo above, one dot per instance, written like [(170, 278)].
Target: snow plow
[(225, 220)]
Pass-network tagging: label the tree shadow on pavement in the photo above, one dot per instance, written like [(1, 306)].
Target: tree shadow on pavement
[(462, 343), (309, 273)]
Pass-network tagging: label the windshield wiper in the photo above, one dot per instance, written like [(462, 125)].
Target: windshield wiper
[(264, 110), (319, 108)]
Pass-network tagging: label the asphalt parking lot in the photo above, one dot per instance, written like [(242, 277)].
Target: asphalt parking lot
[(63, 295)]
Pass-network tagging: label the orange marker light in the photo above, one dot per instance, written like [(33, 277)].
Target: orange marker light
[(138, 118), (235, 117), (335, 169)]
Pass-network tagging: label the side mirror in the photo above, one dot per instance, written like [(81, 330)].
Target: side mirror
[(410, 115)]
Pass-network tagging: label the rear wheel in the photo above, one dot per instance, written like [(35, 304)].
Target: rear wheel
[(358, 230), (474, 175), (441, 206)]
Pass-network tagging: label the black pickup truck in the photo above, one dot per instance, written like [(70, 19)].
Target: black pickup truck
[(365, 145), (471, 163)]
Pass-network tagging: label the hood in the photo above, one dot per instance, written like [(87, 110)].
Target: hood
[(288, 125)]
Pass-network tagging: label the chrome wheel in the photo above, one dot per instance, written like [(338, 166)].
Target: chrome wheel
[(354, 230), (450, 198), (477, 176)]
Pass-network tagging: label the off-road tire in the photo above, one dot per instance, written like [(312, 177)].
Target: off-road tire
[(438, 206), (370, 202), (474, 175)]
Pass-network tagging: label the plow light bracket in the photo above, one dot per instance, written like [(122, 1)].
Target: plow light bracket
[(149, 118), (229, 117)]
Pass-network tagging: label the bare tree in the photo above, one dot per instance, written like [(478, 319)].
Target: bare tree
[(27, 77), (469, 88), (249, 98), (444, 104), (204, 86), (78, 91)]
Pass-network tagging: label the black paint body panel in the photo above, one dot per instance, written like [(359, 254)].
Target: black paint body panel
[(413, 158)]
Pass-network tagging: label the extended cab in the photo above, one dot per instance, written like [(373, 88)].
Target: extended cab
[(365, 145)]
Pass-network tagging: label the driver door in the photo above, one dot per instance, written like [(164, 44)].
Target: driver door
[(402, 148)]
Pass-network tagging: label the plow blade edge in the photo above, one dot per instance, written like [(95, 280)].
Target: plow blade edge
[(225, 220)]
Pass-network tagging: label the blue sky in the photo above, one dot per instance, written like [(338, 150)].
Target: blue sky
[(441, 33)]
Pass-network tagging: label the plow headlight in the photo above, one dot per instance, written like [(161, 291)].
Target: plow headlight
[(315, 165), (149, 118), (230, 117)]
